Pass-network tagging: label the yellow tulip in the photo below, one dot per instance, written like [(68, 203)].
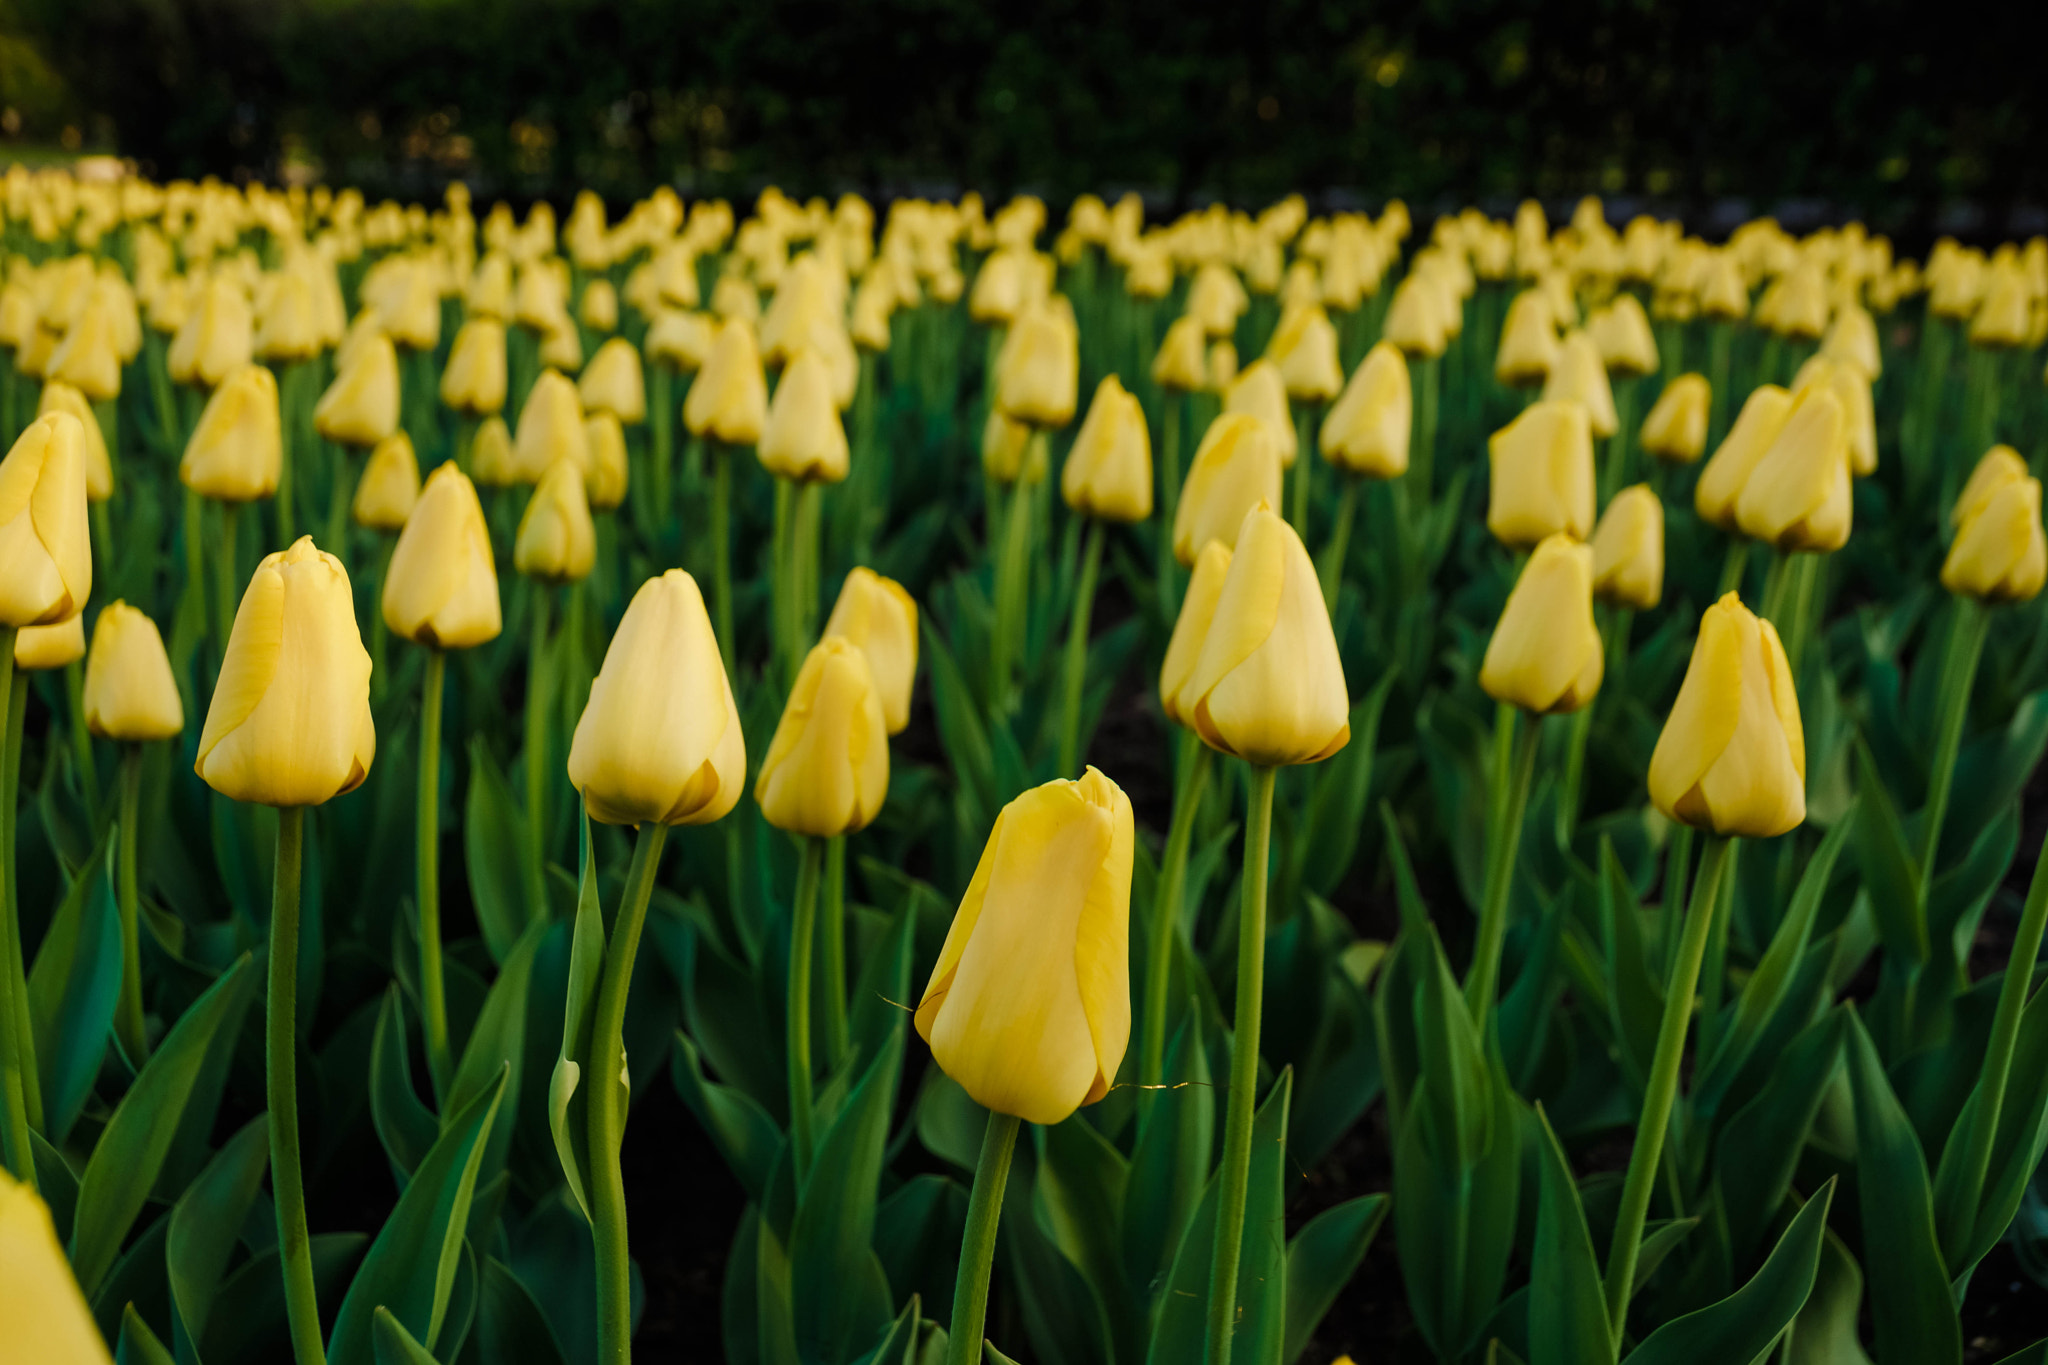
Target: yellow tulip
[(561, 348), (1628, 550), (38, 649), (1191, 627), (1998, 554), (1181, 362), (45, 554), (1038, 369), (88, 358), (236, 453), (1010, 451), (599, 309), (441, 586), (1732, 756), (1236, 467), (1418, 318), (826, 772), (1259, 390), (1000, 287), (289, 723), (880, 619), (1852, 388), (1621, 332), (287, 325), (390, 485), (1528, 340), (606, 480), (1756, 428), (360, 408), (2003, 318), (550, 428), (1148, 274), (613, 383), (1676, 429), (1108, 473), (1268, 686), (659, 740), (679, 339), (1545, 653), (1802, 304), (99, 470), (1798, 495), (47, 1319), (873, 302), (1222, 365), (1724, 295), (1852, 339), (130, 692), (557, 541), (729, 400), (1304, 346), (1216, 298), (1029, 1005), (1580, 376), (216, 338), (1542, 475), (1367, 429), (804, 439), (491, 462), (474, 381)]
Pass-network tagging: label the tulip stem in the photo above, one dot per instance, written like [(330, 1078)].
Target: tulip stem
[(280, 1041), (1507, 799), (10, 788), (1958, 675), (224, 585), (339, 495), (1340, 540), (1166, 903), (1422, 467), (537, 690), (1235, 1176), (81, 738), (433, 995), (1012, 591), (978, 1240), (782, 583), (610, 1084), (1663, 1087), (1304, 467), (802, 937), (1720, 337), (14, 1041), (1077, 649), (128, 1021), (837, 1035), (662, 441)]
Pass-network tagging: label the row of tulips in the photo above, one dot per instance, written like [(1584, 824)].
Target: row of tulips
[(257, 337)]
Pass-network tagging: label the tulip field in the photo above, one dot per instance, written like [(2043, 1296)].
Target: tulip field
[(816, 783)]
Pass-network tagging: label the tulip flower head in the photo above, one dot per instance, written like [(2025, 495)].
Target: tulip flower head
[(550, 428), (99, 470), (1191, 627), (1580, 376), (1545, 653), (1304, 346), (490, 455), (1542, 475), (557, 542), (729, 400), (130, 692), (1108, 473), (1259, 390), (38, 649), (1236, 467), (804, 440), (1011, 451), (474, 381), (217, 337), (47, 1318), (1676, 429), (612, 383), (1755, 430), (45, 554), (236, 453), (1628, 550), (1528, 341), (441, 587), (1366, 431), (88, 358), (1039, 368), (880, 618), (1621, 332), (826, 772), (1798, 495), (1852, 387), (1732, 755), (390, 485), (1998, 554), (360, 408), (606, 479), (678, 339), (1181, 362)]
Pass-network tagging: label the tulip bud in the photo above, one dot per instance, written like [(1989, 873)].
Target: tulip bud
[(1029, 1006), (1181, 362), (441, 587), (729, 400), (1756, 428), (1621, 333), (130, 693), (1542, 468), (606, 479), (561, 348), (474, 381), (1580, 376), (46, 1315), (1528, 340), (39, 649), (1732, 756), (1676, 429), (1798, 496), (236, 453), (679, 339), (880, 619), (1367, 429), (1108, 473), (491, 461), (550, 428), (216, 338), (1222, 365), (1039, 368), (45, 555), (1259, 390), (411, 306), (1545, 653), (1628, 550), (1236, 467), (1304, 346), (827, 768), (804, 439), (1859, 414), (1418, 318), (1998, 554), (1191, 628), (99, 470), (599, 310), (289, 724), (1724, 296), (659, 740), (556, 540), (1852, 340), (1010, 451), (360, 408), (87, 357), (613, 383), (288, 328), (390, 485)]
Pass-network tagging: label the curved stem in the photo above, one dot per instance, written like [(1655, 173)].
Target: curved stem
[(433, 994), (1508, 798), (802, 936), (280, 1046), (14, 1122), (609, 1087), (1076, 671), (1173, 873), (1235, 1175), (128, 1020), (978, 1240), (838, 1040), (1958, 675), (537, 692)]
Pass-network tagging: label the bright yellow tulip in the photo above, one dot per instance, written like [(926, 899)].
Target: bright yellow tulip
[(804, 440), (1732, 756), (45, 553), (880, 618), (613, 383), (474, 381), (441, 586), (1676, 429), (729, 400), (1545, 653), (360, 408), (99, 470), (1628, 550), (1366, 431), (1108, 473), (1542, 475), (1191, 627), (1236, 467), (48, 1322), (1798, 495), (130, 692), (390, 485), (826, 772), (1756, 429), (1998, 554)]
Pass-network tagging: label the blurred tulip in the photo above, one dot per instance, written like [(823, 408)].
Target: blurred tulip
[(1621, 332), (1108, 473), (99, 470), (1628, 550), (613, 383), (803, 439), (599, 308), (474, 380), (1798, 496), (1580, 376), (1191, 628), (87, 358), (1181, 363), (1528, 341), (550, 428), (557, 541), (216, 338), (236, 453), (1222, 365), (1998, 554), (880, 618), (1756, 428), (1852, 339), (679, 339), (561, 348), (491, 462), (729, 400), (360, 408), (1038, 369), (1732, 756), (130, 692), (1366, 432), (1852, 388), (606, 478), (288, 328), (1545, 653), (45, 555), (1542, 475), (1236, 467), (38, 649), (390, 485), (47, 1319), (1010, 451), (1724, 296), (1676, 429), (1259, 391), (826, 772), (441, 586), (1418, 318), (1304, 346)]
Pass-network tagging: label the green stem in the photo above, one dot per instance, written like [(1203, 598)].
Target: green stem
[(225, 584), (1422, 465), (81, 737), (1304, 468), (1076, 671), (1662, 1089), (810, 502), (10, 788), (1507, 799), (1235, 1176), (661, 440), (978, 1241), (838, 1038), (1733, 566), (782, 583), (721, 550), (433, 995), (1340, 540), (803, 935), (538, 688), (609, 1088), (339, 493), (379, 632), (1958, 675), (14, 1042), (1173, 873), (1012, 579), (128, 1021), (288, 397), (1720, 338), (295, 1249)]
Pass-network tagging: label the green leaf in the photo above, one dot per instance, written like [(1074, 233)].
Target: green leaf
[(1759, 1149), (1825, 1333), (1567, 1306), (567, 1109), (492, 834), (745, 1134), (511, 1329), (411, 1268), (497, 1045), (1661, 1237), (132, 1149), (1321, 1259), (840, 1294), (73, 990), (405, 1126), (205, 1224), (1170, 1164), (395, 1345), (1890, 873), (139, 1345), (1333, 824), (1079, 1191), (2037, 1354), (1636, 1000), (961, 731), (949, 1123), (247, 1326)]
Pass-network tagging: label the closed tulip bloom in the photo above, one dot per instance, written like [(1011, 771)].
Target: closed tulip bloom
[(826, 772), (1724, 296), (561, 348), (1802, 310), (1621, 332), (88, 357), (729, 400), (1528, 340), (1029, 1006), (1304, 346), (1998, 553), (45, 555), (1367, 429), (999, 287), (606, 478), (1676, 429), (599, 308), (2004, 317), (441, 588), (679, 339), (1798, 496), (289, 326), (1268, 686), (1222, 365), (1108, 473), (1849, 385), (1039, 369), (130, 692), (38, 649), (550, 428), (804, 439), (1755, 429), (99, 470), (411, 307), (873, 302), (557, 541), (1181, 362), (46, 1315), (474, 381), (360, 408), (1236, 467), (1008, 452), (236, 453), (1545, 653), (289, 724), (491, 462), (1418, 318), (659, 741), (217, 337), (390, 485), (1628, 550), (1580, 376), (880, 618), (613, 383), (1542, 475), (1732, 756), (489, 291), (1852, 339), (1259, 390), (1191, 628)]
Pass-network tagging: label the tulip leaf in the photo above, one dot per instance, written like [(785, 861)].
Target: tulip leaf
[(248, 1326), (1333, 826), (1992, 769), (2037, 1354), (137, 1139), (949, 1123), (139, 1345), (204, 1226), (405, 1126), (1635, 999), (1454, 1103), (138, 1278), (492, 833), (395, 1345), (1080, 1187), (1567, 1306), (56, 1182), (567, 1109), (1890, 873), (1170, 1164), (510, 1326), (498, 1044), (73, 989), (1321, 1259), (1825, 1332), (899, 1343), (840, 1294), (1743, 1326), (1759, 1149), (745, 1134), (961, 731), (411, 1268)]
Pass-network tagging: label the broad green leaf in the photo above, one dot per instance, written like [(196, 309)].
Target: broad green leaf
[(949, 1123), (900, 1341), (1825, 1333), (511, 1329), (1890, 873), (1636, 1001), (405, 1126), (961, 729), (568, 1111), (2037, 1354), (840, 1295), (395, 1345), (497, 1044), (204, 1226), (1321, 1260), (247, 1326), (1080, 1188), (492, 836), (1333, 825), (745, 1134), (1759, 1149), (139, 1345), (73, 990), (1567, 1306), (1661, 1237), (1170, 1164)]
